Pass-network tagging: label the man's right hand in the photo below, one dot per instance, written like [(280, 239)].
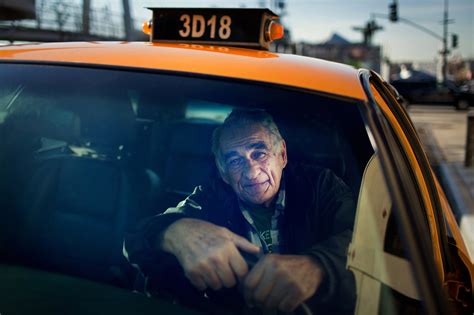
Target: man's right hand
[(209, 254)]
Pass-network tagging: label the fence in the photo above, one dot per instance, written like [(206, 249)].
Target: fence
[(65, 16)]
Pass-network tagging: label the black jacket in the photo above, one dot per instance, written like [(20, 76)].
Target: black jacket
[(318, 221)]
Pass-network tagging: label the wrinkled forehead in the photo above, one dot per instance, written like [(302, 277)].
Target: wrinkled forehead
[(244, 137)]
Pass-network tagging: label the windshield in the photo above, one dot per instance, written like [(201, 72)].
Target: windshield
[(87, 153)]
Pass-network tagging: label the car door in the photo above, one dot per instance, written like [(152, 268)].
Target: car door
[(400, 250)]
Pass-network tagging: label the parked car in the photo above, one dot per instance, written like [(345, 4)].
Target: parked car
[(96, 136), (465, 95), (423, 88)]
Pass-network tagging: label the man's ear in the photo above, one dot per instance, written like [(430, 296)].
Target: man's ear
[(283, 153), (221, 172)]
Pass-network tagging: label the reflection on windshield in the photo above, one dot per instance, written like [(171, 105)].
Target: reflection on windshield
[(207, 110)]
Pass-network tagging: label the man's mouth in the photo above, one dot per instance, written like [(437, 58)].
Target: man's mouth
[(256, 188)]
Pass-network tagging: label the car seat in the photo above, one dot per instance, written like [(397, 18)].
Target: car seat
[(81, 198)]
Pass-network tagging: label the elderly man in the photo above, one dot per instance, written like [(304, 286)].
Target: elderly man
[(296, 219)]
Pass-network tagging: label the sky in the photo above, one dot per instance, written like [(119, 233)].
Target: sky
[(314, 21)]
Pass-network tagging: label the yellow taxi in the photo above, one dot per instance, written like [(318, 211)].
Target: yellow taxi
[(96, 136)]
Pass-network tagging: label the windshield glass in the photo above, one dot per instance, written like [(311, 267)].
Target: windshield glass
[(87, 153)]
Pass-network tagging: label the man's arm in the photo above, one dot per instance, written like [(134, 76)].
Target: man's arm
[(317, 275), (140, 244), (209, 254)]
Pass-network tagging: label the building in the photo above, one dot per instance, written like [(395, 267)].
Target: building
[(338, 49), (17, 9)]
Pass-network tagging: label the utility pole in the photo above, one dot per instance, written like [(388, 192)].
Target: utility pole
[(86, 8), (445, 50), (368, 31), (394, 17), (127, 20)]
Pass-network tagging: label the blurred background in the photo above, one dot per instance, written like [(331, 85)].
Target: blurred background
[(397, 38)]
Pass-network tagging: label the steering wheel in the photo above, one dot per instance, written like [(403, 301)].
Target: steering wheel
[(208, 305)]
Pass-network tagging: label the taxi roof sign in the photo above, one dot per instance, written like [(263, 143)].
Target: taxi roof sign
[(216, 26)]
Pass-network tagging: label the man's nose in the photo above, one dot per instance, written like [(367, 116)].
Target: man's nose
[(251, 170)]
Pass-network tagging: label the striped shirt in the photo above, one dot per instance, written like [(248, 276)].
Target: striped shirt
[(255, 236)]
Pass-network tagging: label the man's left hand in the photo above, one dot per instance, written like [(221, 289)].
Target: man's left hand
[(282, 282)]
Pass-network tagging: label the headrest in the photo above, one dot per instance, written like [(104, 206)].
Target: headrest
[(107, 121), (61, 124)]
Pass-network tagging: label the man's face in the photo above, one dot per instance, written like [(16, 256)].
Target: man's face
[(252, 165)]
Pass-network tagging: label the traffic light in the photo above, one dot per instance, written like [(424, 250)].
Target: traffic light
[(281, 4), (454, 40), (393, 14)]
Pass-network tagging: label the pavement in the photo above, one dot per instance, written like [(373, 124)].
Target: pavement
[(443, 132)]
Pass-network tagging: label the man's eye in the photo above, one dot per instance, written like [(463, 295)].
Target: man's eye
[(233, 162), (259, 155)]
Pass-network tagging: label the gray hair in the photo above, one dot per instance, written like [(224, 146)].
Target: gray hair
[(242, 117)]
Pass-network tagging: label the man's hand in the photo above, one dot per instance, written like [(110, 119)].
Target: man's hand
[(209, 254), (282, 281)]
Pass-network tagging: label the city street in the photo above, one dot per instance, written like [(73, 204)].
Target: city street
[(447, 125), (443, 131)]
